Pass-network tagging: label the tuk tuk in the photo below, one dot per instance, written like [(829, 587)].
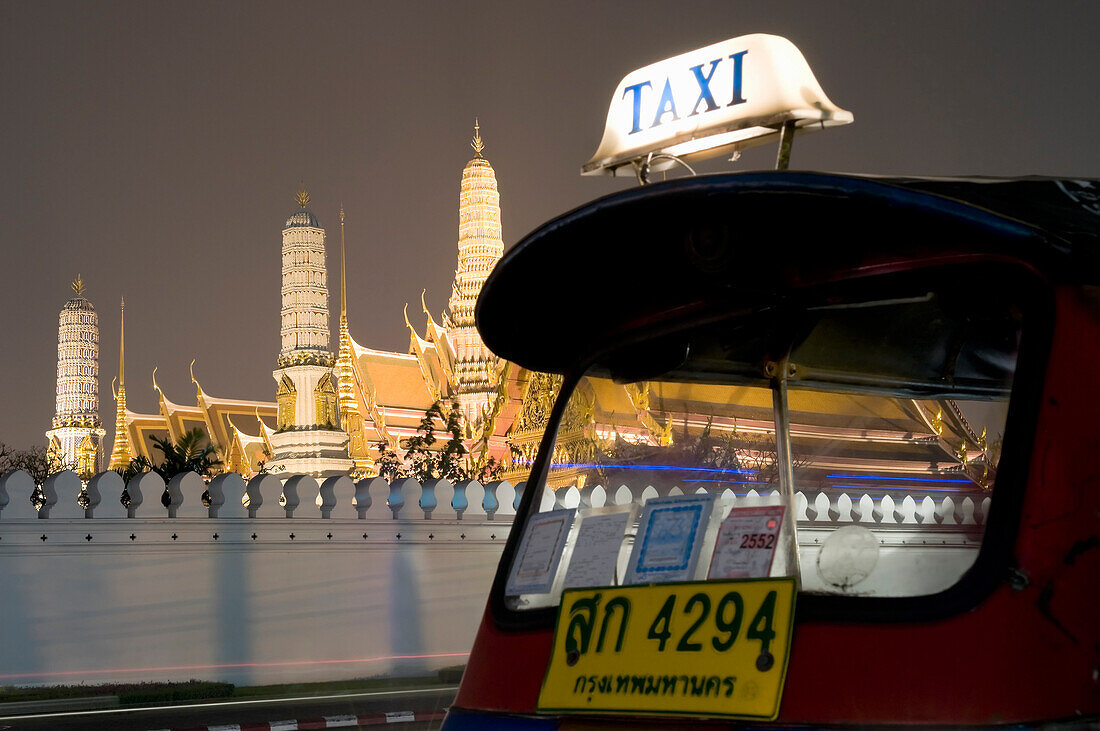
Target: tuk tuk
[(821, 451), (821, 454)]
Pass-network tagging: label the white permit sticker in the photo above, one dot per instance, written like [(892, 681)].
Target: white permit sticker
[(746, 543), (599, 537), (536, 561)]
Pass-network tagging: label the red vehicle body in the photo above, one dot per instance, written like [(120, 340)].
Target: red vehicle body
[(1016, 640)]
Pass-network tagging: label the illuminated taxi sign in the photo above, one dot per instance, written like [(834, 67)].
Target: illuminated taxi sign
[(716, 99)]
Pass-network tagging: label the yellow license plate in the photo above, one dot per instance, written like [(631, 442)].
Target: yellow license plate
[(714, 648)]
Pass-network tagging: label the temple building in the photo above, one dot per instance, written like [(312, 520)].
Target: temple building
[(334, 415), (74, 441)]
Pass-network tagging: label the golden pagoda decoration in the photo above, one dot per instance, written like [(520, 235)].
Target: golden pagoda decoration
[(351, 420), (87, 457), (285, 396), (477, 144), (937, 422), (121, 454)]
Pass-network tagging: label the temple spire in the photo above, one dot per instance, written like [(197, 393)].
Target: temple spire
[(122, 346), (121, 454), (477, 144), (351, 421), (78, 286), (343, 275), (480, 246)]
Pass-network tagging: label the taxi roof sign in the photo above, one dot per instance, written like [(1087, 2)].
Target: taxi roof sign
[(717, 99)]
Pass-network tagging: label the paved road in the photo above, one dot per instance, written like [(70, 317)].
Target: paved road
[(242, 712)]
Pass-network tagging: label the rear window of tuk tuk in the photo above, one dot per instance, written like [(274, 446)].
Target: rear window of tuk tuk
[(1032, 303)]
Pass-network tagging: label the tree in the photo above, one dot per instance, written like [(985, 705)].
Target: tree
[(421, 462), (5, 458), (136, 467), (452, 459), (187, 454), (491, 470), (38, 462), (262, 468), (389, 464)]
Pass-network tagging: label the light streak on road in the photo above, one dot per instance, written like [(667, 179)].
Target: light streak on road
[(285, 663)]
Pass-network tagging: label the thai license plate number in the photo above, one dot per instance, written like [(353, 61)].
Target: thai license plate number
[(714, 648)]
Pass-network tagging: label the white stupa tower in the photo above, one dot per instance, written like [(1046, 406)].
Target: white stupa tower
[(77, 434), (480, 246), (308, 439)]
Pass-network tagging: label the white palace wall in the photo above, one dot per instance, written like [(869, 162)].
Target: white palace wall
[(342, 580), (286, 597)]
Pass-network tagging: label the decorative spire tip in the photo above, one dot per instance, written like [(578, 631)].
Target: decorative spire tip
[(477, 144), (78, 286), (302, 196)]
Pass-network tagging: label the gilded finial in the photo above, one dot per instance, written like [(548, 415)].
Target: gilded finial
[(477, 144), (78, 286), (122, 345), (302, 196), (343, 274)]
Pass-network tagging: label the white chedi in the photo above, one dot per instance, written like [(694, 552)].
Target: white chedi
[(307, 439)]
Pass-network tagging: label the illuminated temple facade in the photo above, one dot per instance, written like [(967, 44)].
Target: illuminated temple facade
[(480, 246), (74, 439), (332, 411)]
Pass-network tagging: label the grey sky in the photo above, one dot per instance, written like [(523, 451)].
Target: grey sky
[(155, 148)]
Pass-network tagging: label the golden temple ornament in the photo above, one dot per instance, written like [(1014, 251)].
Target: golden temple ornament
[(477, 144), (78, 286), (302, 196)]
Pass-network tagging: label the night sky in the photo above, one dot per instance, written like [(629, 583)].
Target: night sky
[(155, 148)]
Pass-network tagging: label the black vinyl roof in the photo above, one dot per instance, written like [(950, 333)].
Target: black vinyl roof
[(670, 250)]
